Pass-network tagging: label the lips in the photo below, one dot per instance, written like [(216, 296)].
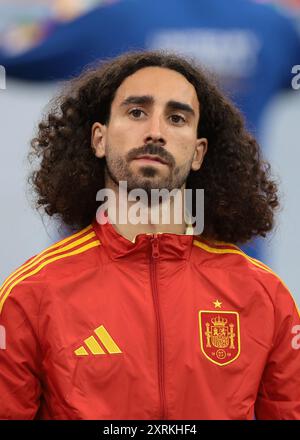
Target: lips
[(152, 158)]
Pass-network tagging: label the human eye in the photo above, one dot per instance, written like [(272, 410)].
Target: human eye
[(177, 119), (136, 113)]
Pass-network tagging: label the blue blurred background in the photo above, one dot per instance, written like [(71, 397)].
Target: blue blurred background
[(252, 46)]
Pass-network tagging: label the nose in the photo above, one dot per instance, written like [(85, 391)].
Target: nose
[(154, 132)]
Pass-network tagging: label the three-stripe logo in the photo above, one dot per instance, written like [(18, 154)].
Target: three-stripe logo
[(92, 345)]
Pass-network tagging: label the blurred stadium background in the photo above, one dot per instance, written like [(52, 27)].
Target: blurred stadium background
[(251, 45)]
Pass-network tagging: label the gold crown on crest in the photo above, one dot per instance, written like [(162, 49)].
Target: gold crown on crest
[(219, 322)]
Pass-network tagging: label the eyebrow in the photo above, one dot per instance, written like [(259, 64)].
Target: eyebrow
[(149, 100)]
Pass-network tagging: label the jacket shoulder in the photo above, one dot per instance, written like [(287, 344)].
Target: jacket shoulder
[(41, 268), (229, 257)]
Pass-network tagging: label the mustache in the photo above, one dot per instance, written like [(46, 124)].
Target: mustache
[(154, 149)]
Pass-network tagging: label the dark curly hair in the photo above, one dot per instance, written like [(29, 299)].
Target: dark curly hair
[(240, 196)]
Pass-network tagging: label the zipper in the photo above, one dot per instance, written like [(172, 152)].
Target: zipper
[(160, 351)]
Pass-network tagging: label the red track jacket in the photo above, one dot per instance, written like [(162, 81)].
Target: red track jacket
[(166, 327)]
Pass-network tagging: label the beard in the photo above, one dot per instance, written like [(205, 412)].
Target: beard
[(147, 177)]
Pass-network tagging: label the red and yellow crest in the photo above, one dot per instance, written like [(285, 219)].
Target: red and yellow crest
[(220, 336)]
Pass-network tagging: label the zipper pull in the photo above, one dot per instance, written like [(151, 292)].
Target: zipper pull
[(155, 249)]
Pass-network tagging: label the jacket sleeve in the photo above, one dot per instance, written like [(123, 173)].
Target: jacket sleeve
[(19, 356), (279, 392)]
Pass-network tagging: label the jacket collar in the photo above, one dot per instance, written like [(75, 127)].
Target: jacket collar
[(170, 246)]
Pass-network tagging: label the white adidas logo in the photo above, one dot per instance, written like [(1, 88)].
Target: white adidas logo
[(2, 338)]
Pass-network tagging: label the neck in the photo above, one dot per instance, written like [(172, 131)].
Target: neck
[(133, 217)]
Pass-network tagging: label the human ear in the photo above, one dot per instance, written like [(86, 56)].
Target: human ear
[(200, 151), (98, 138)]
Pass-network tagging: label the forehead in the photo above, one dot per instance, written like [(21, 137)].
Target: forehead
[(161, 83)]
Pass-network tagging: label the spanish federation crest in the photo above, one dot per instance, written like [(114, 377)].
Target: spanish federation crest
[(220, 336)]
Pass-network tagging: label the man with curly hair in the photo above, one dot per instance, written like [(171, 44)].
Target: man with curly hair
[(146, 320)]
